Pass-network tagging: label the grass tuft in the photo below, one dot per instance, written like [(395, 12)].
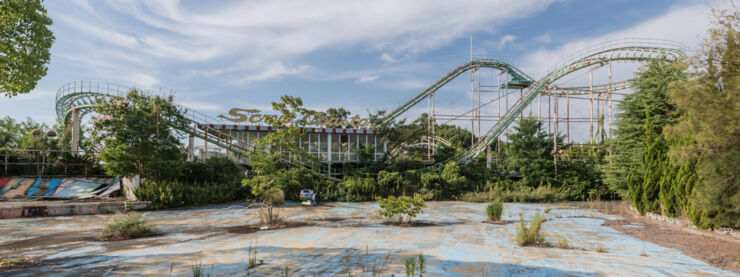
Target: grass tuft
[(494, 210), (530, 235), (563, 243), (601, 249)]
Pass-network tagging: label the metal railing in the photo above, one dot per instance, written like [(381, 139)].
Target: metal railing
[(47, 162)]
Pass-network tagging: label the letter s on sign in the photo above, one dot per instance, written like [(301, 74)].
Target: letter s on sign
[(238, 115)]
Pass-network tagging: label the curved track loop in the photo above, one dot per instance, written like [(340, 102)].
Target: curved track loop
[(631, 50), (518, 80), (83, 96)]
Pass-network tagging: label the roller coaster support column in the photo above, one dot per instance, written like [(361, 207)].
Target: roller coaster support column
[(75, 131), (555, 137), (567, 116), (191, 139), (591, 96), (488, 156)]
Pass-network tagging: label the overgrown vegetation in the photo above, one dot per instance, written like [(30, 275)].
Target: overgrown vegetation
[(128, 226), (415, 265), (494, 210), (530, 235), (677, 150), (403, 208)]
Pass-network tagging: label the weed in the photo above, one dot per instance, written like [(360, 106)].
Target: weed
[(530, 236), (494, 210), (410, 266), (415, 265), (285, 272), (601, 249), (563, 243), (252, 256), (129, 226), (547, 209), (368, 267), (198, 270), (270, 216)]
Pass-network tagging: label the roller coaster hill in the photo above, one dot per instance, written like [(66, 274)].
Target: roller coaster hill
[(493, 108)]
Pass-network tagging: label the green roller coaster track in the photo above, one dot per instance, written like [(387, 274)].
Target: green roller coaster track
[(83, 96)]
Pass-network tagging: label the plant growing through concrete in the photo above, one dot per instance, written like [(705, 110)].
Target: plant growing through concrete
[(129, 226), (563, 243), (415, 265), (530, 236), (494, 210), (252, 257), (404, 208), (601, 249), (548, 208)]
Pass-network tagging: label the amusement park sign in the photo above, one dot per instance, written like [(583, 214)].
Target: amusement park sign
[(255, 117)]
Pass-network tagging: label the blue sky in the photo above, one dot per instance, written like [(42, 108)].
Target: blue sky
[(361, 55)]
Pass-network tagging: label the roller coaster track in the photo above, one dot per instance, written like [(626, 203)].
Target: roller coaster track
[(83, 96), (518, 80), (627, 50)]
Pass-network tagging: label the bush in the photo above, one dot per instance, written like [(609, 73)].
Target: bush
[(130, 226), (173, 194), (530, 236), (494, 210), (402, 207), (215, 169)]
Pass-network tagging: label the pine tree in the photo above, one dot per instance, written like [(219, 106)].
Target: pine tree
[(628, 145), (710, 107)]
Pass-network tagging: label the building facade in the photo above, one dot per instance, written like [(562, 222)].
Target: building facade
[(329, 145)]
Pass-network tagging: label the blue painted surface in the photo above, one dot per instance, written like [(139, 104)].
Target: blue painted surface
[(458, 243), (53, 186), (33, 187)]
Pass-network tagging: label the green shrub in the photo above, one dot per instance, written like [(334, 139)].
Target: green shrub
[(494, 210), (173, 194), (402, 207), (530, 236), (129, 226)]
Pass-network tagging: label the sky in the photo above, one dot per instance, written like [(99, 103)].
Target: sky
[(361, 55)]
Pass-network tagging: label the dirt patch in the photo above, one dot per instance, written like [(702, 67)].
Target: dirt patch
[(409, 224), (120, 237), (707, 247), (46, 240), (10, 263), (332, 219), (497, 222), (248, 229)]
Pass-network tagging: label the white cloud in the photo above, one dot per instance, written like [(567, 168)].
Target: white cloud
[(544, 38), (141, 79), (274, 70), (200, 105), (366, 79), (387, 58), (505, 40), (268, 34), (685, 24)]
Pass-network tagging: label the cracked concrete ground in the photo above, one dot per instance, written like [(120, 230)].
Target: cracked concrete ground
[(339, 238)]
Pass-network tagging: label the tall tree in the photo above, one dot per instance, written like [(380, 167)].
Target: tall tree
[(25, 40), (710, 107), (138, 137), (529, 153), (628, 145)]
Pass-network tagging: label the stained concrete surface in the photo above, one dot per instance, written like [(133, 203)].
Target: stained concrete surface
[(341, 238)]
